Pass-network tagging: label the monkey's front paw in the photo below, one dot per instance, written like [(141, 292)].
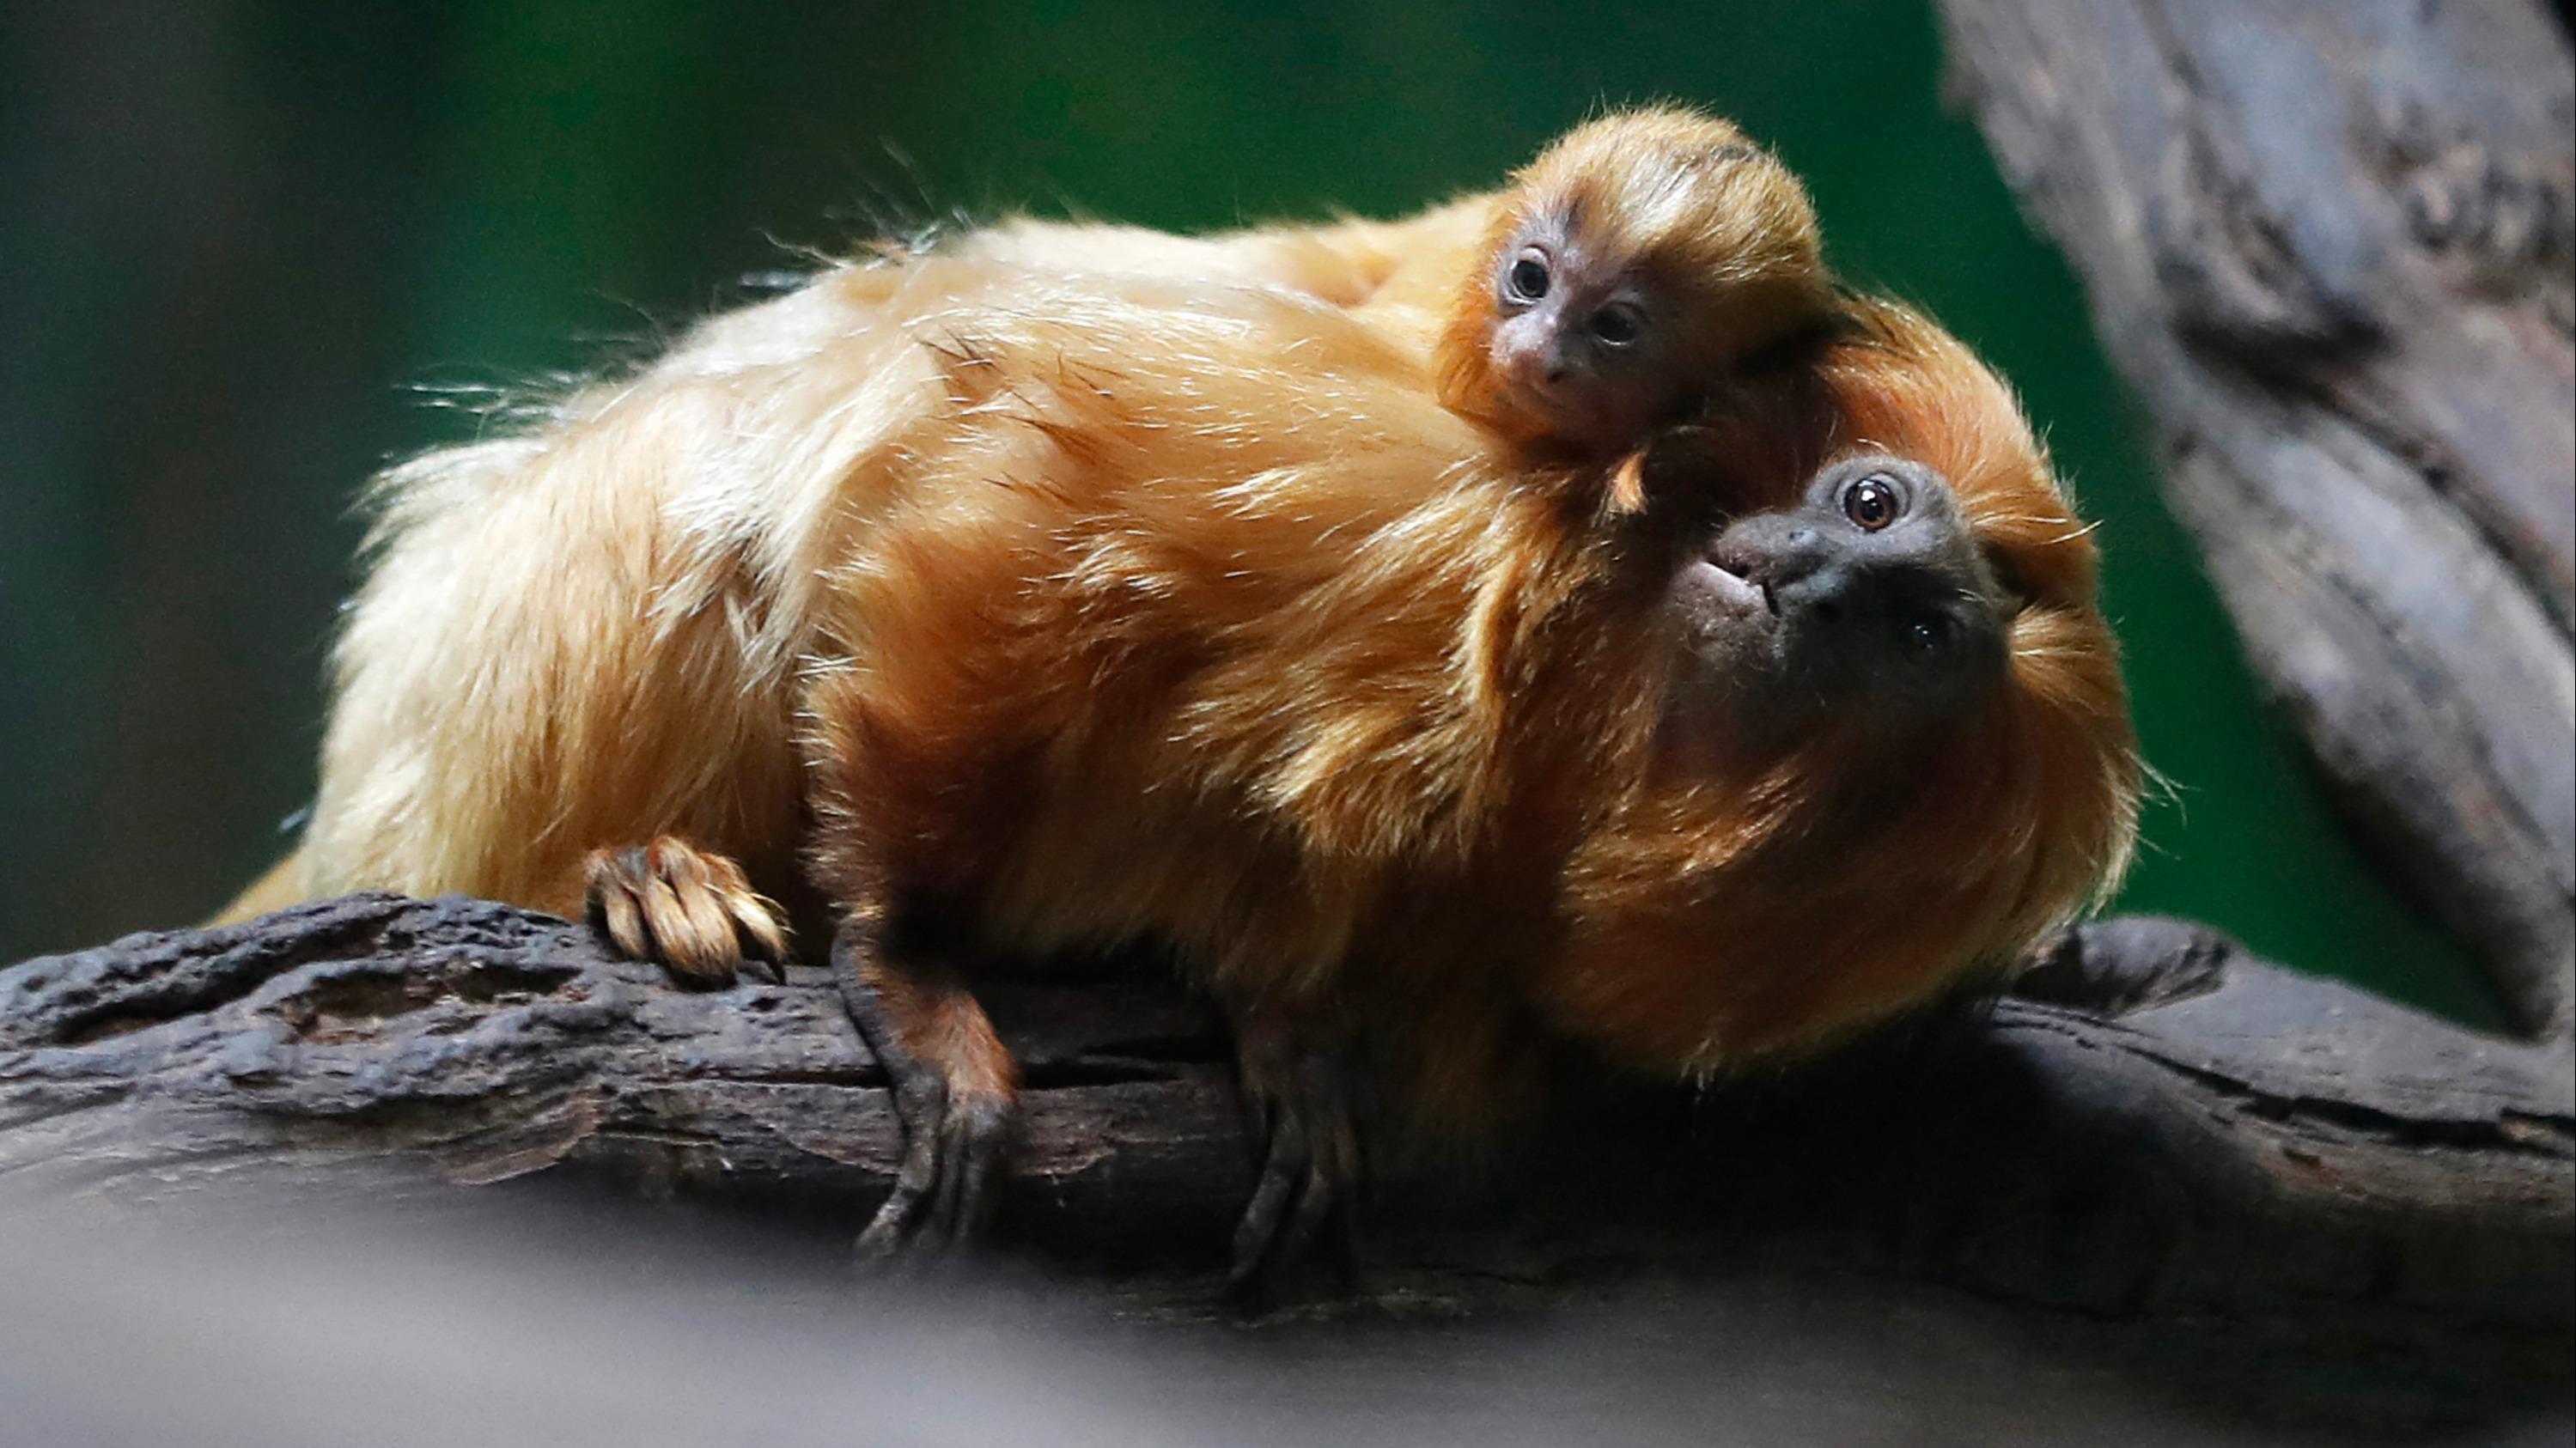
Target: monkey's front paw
[(692, 911), (954, 1143), (1307, 1195)]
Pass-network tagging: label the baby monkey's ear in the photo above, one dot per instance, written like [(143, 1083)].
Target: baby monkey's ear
[(1628, 485), (1680, 476)]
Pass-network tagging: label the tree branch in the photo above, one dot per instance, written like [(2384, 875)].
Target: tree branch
[(2170, 1126)]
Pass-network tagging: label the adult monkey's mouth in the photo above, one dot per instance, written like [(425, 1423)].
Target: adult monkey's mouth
[(1713, 597)]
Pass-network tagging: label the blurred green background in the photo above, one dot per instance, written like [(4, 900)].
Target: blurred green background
[(234, 237)]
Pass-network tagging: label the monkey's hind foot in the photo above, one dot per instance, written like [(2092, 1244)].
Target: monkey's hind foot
[(1301, 1101), (693, 912), (955, 1090)]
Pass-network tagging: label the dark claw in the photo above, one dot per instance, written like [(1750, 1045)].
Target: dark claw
[(982, 1138), (921, 1104), (1283, 1168)]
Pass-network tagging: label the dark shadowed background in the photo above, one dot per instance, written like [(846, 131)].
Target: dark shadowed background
[(246, 248)]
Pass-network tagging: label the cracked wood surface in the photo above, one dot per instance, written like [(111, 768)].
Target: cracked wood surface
[(2159, 1125), (2329, 246)]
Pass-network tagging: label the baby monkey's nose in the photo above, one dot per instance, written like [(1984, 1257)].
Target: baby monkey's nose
[(1534, 362)]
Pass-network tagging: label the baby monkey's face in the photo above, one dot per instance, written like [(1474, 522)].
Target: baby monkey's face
[(1586, 340)]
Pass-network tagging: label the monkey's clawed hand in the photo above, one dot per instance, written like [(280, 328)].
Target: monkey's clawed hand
[(692, 912)]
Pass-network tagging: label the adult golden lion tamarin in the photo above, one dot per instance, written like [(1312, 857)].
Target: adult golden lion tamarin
[(1129, 607)]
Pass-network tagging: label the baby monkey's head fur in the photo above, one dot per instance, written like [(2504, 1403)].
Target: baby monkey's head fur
[(1634, 260)]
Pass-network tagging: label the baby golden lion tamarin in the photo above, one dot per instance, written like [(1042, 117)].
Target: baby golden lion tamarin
[(1633, 262), (1199, 623)]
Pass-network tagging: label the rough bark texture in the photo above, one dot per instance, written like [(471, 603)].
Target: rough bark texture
[(2159, 1127), (2329, 245)]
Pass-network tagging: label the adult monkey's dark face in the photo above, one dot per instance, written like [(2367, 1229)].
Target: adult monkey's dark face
[(1869, 600)]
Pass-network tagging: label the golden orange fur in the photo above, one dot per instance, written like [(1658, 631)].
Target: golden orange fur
[(591, 634)]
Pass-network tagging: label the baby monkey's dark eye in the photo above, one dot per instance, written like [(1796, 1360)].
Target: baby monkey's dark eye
[(1619, 324), (1928, 636), (1872, 503), (1527, 280)]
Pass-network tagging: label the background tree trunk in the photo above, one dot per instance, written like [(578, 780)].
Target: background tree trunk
[(2329, 245)]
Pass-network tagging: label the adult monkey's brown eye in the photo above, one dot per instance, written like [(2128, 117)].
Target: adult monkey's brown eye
[(1873, 503)]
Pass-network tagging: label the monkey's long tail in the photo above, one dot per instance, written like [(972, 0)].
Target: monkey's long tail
[(282, 886)]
